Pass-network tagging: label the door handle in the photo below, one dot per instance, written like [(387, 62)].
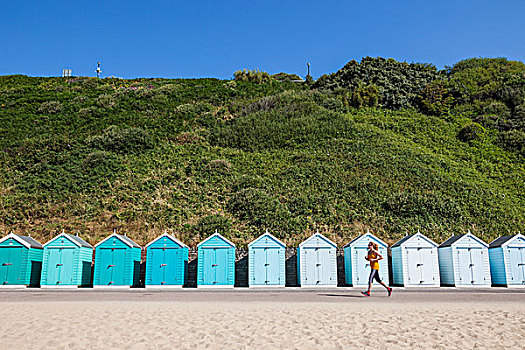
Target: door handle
[(6, 264), (60, 264), (163, 265), (111, 266), (215, 265), (266, 264), (317, 264), (419, 265)]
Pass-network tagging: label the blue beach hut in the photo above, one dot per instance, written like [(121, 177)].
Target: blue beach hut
[(117, 262), (357, 268), (415, 262), (266, 262), (316, 262), (507, 260), (464, 261), (20, 261), (216, 262), (166, 262), (67, 262)]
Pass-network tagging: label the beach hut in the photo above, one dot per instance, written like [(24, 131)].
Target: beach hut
[(507, 260), (166, 262), (117, 262), (357, 268), (67, 262), (20, 261), (266, 262), (415, 262), (216, 262), (316, 262), (464, 261)]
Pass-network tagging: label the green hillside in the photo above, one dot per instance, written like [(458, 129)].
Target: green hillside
[(380, 145)]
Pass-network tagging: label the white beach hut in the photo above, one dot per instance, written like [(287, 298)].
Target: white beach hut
[(415, 262), (464, 261)]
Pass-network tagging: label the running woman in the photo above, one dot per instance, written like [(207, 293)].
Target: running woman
[(373, 257)]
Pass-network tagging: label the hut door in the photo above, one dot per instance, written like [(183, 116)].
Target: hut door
[(426, 266), (465, 274), (272, 266), (221, 266), (10, 265), (477, 266), (171, 269), (259, 266), (157, 264), (310, 260), (362, 265), (208, 262), (323, 266), (420, 265), (59, 267), (517, 265), (112, 266)]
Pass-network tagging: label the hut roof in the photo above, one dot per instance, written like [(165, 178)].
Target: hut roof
[(320, 236), (179, 242), (278, 241), (217, 234), (26, 241), (409, 237), (75, 239), (502, 240), (123, 238), (451, 241), (363, 235)]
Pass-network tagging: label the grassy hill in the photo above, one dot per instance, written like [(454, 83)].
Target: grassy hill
[(240, 156)]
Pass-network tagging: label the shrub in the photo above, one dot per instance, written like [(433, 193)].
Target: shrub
[(471, 132), (435, 99), (367, 96), (100, 161), (256, 76), (208, 224), (255, 206), (219, 167), (514, 140), (50, 107), (125, 140), (286, 77)]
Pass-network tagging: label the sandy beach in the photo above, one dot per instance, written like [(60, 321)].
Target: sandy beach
[(314, 320)]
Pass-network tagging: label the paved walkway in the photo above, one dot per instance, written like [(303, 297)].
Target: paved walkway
[(288, 295)]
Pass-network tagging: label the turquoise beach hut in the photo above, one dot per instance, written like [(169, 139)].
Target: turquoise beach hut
[(357, 268), (166, 262), (317, 262), (67, 262), (415, 262), (266, 262), (507, 260), (117, 262), (464, 261), (216, 262), (20, 261)]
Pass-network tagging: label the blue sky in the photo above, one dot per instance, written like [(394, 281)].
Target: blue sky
[(214, 38)]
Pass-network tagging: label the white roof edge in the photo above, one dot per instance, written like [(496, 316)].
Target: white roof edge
[(175, 239), (320, 235), (16, 238), (517, 235), (216, 234), (425, 237), (114, 234), (365, 234), (473, 236), (60, 235), (267, 234)]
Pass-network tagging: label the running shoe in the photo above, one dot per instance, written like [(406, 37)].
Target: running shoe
[(366, 294), (389, 291)]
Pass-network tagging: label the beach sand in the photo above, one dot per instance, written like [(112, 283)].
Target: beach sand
[(261, 325)]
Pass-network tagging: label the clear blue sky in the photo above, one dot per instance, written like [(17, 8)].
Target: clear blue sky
[(214, 38)]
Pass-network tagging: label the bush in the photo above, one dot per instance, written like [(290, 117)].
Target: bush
[(367, 96), (286, 77), (50, 107), (122, 140), (254, 205), (100, 161), (209, 224), (219, 167), (514, 140), (471, 132), (435, 99), (255, 76)]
